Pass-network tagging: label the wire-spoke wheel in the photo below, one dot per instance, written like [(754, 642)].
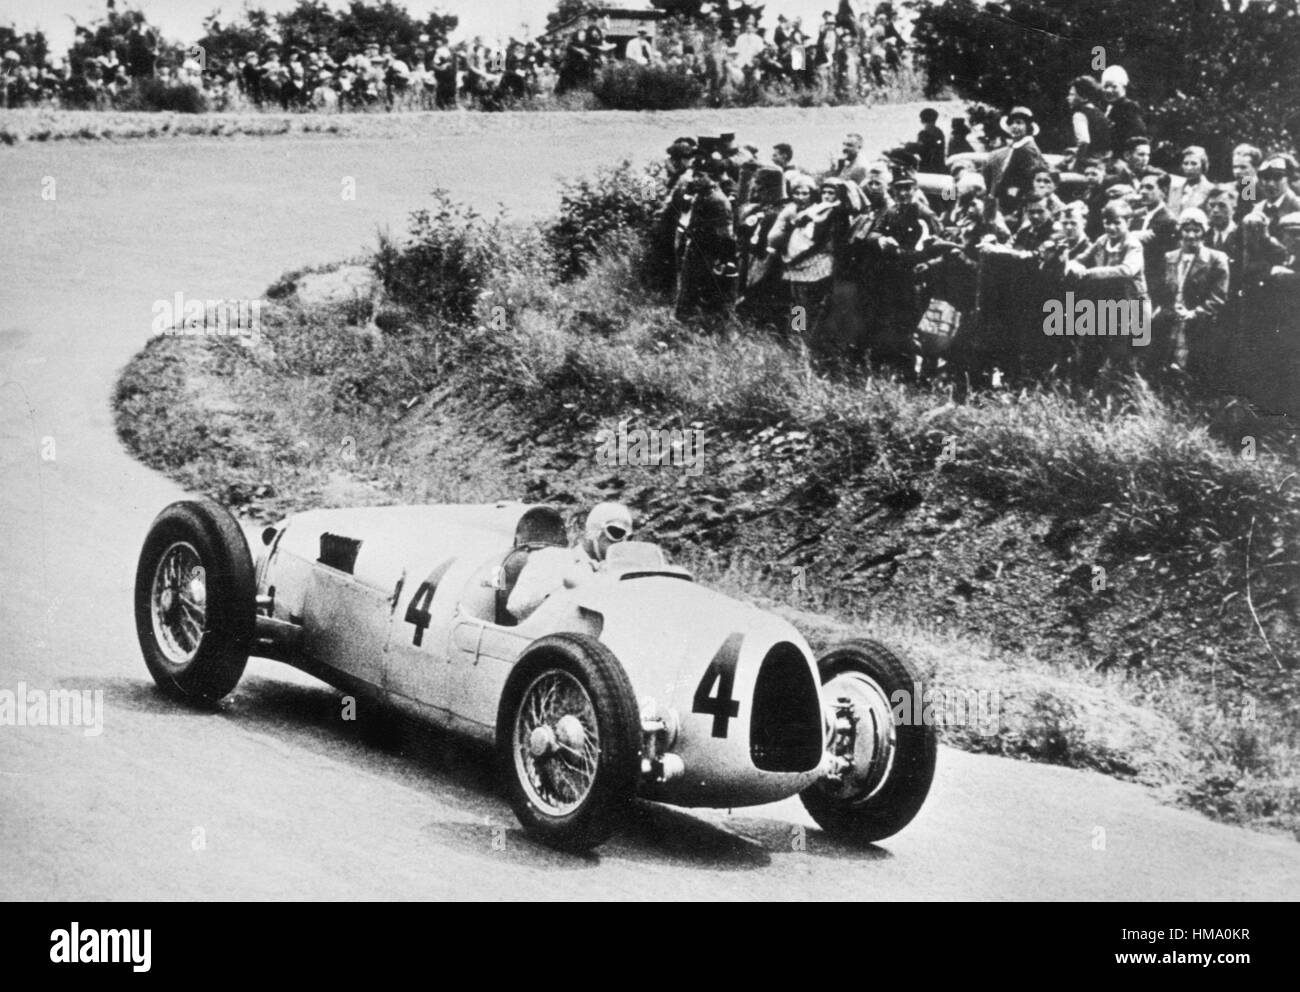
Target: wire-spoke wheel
[(892, 760), (194, 601), (569, 736), (179, 603)]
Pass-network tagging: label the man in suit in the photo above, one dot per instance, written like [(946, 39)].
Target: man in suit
[(1263, 233), (1189, 296), (1155, 227), (1009, 171)]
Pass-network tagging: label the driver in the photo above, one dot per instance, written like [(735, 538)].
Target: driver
[(550, 569)]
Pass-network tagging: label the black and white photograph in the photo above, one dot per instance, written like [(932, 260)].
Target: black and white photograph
[(654, 451)]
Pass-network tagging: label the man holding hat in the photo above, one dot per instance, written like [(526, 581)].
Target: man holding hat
[(1009, 171)]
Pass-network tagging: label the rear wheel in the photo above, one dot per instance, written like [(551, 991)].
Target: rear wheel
[(893, 761), (195, 593), (568, 733)]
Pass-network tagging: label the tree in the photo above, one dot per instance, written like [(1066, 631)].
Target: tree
[(30, 46), (1204, 71), (126, 33), (566, 12), (231, 41)]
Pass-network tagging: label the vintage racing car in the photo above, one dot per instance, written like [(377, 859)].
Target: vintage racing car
[(636, 682)]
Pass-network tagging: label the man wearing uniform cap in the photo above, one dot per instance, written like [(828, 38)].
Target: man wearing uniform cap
[(1262, 225)]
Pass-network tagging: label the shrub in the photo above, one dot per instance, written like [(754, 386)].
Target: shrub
[(1205, 72), (444, 266), (156, 95), (615, 200), (628, 86)]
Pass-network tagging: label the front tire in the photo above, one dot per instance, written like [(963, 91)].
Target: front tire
[(894, 760), (568, 736), (195, 595)]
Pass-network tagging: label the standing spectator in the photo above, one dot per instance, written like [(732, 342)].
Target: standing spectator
[(801, 236), (1223, 234), (1263, 247), (1245, 169), (1193, 186), (1154, 225), (1046, 181), (932, 153), (1124, 115), (960, 144), (1091, 128), (749, 45), (1114, 268), (850, 165), (827, 43), (639, 49), (899, 238), (1192, 289), (708, 273), (1009, 171)]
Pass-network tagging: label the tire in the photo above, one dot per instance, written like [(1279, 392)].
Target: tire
[(560, 802), (885, 800), (186, 536)]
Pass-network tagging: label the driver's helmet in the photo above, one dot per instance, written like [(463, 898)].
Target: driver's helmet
[(607, 523)]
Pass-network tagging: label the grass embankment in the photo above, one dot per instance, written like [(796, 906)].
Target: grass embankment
[(1107, 564)]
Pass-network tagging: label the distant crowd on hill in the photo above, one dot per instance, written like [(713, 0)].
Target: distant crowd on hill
[(848, 55)]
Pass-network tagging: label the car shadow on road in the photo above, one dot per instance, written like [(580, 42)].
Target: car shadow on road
[(381, 742)]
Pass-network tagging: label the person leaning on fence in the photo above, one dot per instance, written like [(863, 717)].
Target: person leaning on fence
[(1114, 268)]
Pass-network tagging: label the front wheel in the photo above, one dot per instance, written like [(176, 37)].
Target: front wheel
[(568, 733), (892, 760), (195, 598)]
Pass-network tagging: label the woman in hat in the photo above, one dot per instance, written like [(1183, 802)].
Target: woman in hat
[(1009, 171), (1092, 135)]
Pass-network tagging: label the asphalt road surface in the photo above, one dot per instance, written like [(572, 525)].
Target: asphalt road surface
[(274, 796)]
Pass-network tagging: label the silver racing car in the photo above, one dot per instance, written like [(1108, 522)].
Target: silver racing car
[(635, 683)]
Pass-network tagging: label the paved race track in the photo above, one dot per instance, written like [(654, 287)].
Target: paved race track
[(288, 801)]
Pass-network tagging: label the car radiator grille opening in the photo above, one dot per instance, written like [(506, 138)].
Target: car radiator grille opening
[(785, 734)]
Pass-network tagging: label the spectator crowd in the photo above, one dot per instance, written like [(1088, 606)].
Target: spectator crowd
[(984, 256), (848, 55)]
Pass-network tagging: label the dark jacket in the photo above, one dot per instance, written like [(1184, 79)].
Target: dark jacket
[(1205, 289)]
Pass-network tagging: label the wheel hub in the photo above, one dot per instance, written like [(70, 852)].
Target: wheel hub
[(541, 742)]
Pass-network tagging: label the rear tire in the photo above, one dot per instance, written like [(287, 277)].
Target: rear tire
[(195, 596), (569, 741), (892, 791)]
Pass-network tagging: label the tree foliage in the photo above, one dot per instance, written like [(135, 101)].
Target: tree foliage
[(1208, 72)]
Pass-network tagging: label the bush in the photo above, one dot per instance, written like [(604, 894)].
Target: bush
[(592, 210), (628, 86), (445, 265), (156, 95), (1204, 72)]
